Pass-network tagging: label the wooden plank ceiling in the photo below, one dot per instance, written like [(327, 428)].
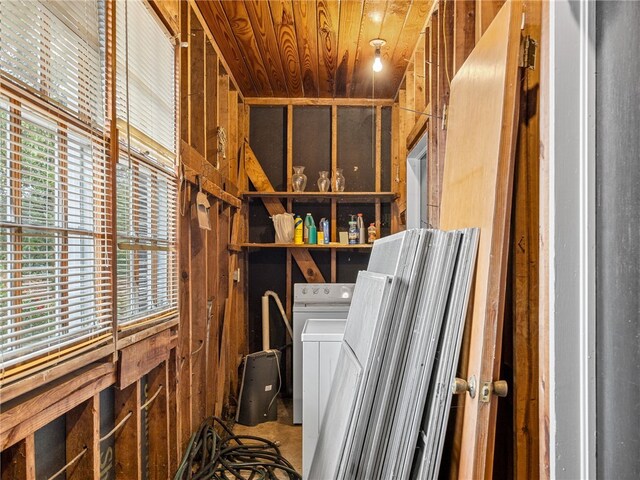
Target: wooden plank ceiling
[(316, 48)]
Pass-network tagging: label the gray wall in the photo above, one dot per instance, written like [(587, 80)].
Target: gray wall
[(618, 239)]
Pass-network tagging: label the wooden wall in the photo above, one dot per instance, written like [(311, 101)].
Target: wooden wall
[(131, 416), (450, 34), (193, 372)]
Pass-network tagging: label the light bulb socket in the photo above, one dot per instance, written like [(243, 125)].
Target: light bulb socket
[(377, 43)]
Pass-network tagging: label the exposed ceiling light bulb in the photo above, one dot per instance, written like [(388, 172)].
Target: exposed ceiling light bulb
[(377, 63), (377, 43)]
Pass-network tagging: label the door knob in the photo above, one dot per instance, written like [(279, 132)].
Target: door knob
[(460, 386)]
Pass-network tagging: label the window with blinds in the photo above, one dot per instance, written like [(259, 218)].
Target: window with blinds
[(55, 260), (147, 289)]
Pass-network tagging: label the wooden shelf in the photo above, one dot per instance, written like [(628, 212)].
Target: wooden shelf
[(355, 197), (329, 246)]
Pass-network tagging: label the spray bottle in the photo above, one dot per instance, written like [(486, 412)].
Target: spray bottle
[(353, 231)]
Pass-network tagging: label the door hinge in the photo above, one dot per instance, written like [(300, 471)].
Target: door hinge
[(528, 49)]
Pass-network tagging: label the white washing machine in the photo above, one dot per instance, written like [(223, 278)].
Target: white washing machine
[(320, 301), (321, 340)]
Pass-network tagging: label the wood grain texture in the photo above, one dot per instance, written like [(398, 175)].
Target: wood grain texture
[(304, 14), (139, 359), (43, 405), (464, 32), (315, 48), (184, 379), (214, 15), (246, 35), (486, 11), (232, 136), (223, 122), (419, 85), (223, 313), (196, 96), (477, 189), (211, 104), (328, 13), (14, 462), (525, 259), (373, 14), (198, 312), (128, 456), (158, 420), (412, 32), (433, 183), (265, 37), (348, 30), (282, 17), (246, 82), (83, 431), (212, 347)]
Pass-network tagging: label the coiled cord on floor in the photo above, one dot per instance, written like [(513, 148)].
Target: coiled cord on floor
[(225, 457)]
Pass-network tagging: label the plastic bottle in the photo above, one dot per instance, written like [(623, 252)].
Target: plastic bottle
[(313, 235), (324, 225), (373, 233), (362, 232), (308, 221), (353, 231), (298, 235)]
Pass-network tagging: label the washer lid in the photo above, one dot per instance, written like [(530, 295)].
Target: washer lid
[(318, 330)]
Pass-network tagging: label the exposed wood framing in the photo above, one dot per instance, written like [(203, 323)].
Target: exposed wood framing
[(158, 420), (274, 206), (544, 265), (486, 10), (451, 33), (18, 461), (137, 360), (83, 432), (347, 102), (129, 438), (174, 401), (524, 261), (24, 417)]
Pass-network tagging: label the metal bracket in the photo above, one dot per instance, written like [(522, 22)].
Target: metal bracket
[(528, 49), (460, 385), (499, 388)]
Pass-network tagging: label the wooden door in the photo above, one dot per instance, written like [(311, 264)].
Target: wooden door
[(477, 190)]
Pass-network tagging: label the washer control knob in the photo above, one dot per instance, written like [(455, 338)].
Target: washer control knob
[(304, 291), (326, 291), (315, 291)]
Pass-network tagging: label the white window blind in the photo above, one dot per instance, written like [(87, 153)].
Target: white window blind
[(55, 289), (147, 289), (145, 73)]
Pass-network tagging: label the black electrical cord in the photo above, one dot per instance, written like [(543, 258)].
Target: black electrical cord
[(224, 456)]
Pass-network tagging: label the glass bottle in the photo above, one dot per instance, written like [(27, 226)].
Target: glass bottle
[(299, 179), (338, 181), (323, 182)]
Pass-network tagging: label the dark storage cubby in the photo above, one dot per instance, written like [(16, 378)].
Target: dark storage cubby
[(312, 142), (356, 147), (268, 140)]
